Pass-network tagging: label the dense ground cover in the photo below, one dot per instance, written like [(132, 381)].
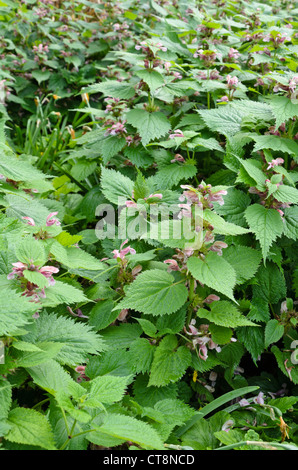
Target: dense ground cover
[(148, 224)]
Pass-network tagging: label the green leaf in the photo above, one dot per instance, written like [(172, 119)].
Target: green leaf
[(36, 278), (287, 194), (221, 226), (150, 126), (275, 143), (153, 78), (224, 313), (217, 403), (245, 261), (30, 427), (50, 376), (253, 340), (31, 251), (128, 429), (283, 109), (112, 88), (47, 350), (5, 397), (116, 187), (271, 284), (215, 272), (141, 352), (101, 314), (273, 332), (155, 292), (291, 222), (266, 224), (77, 338), (107, 390), (170, 362), (235, 203)]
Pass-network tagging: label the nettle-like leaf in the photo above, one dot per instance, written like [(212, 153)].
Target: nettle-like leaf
[(275, 143), (170, 175), (273, 332), (155, 292), (222, 227), (142, 355), (15, 311), (235, 203), (215, 272), (291, 222), (19, 170), (271, 284), (5, 397), (30, 427), (170, 362), (252, 170), (77, 339), (286, 194), (107, 390), (266, 224), (245, 261), (150, 126), (153, 78), (127, 428), (283, 109), (31, 251), (116, 187), (224, 313), (112, 88)]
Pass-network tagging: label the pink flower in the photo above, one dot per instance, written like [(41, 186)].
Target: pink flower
[(232, 81), (276, 162), (30, 220), (177, 133), (123, 251), (48, 272), (227, 425), (173, 265), (233, 53), (259, 400), (218, 247), (223, 99), (50, 222), (157, 195), (211, 298)]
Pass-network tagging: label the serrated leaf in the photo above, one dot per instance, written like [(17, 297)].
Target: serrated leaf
[(266, 224), (116, 187), (30, 427), (271, 284), (221, 226), (129, 429), (273, 332), (141, 352), (31, 251), (224, 313), (150, 126), (153, 78), (5, 397), (283, 109), (215, 272), (107, 390), (169, 363), (245, 261), (155, 292), (77, 339)]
